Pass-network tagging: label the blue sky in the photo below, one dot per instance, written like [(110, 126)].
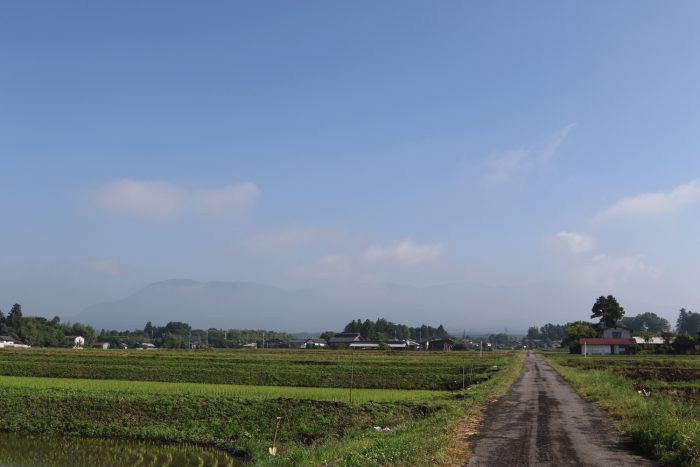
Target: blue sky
[(317, 144)]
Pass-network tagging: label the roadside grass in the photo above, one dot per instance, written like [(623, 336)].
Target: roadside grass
[(661, 425), (319, 427)]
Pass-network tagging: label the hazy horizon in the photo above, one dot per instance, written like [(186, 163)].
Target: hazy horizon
[(548, 151)]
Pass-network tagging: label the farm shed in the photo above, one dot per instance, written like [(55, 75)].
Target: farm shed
[(365, 345), (605, 345)]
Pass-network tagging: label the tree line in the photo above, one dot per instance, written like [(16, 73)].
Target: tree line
[(41, 332), (383, 330), (180, 335)]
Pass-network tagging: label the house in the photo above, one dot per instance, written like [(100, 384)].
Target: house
[(445, 344), (344, 339), (614, 341), (100, 345), (617, 333)]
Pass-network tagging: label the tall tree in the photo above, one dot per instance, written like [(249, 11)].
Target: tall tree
[(688, 322), (14, 319), (608, 310)]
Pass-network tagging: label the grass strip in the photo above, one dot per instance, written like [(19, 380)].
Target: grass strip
[(241, 391)]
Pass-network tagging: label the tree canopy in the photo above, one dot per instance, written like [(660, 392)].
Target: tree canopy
[(688, 322), (608, 310), (646, 322), (383, 330)]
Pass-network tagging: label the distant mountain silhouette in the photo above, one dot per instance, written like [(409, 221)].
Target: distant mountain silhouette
[(250, 305)]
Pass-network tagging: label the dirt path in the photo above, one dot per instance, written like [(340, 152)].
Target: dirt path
[(541, 420)]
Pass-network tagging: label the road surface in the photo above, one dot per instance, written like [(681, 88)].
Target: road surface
[(542, 421)]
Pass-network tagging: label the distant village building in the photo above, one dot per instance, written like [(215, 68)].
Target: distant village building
[(12, 343), (316, 343), (344, 339), (652, 341), (614, 341), (365, 345), (407, 344), (445, 344)]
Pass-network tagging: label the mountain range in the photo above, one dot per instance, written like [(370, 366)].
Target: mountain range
[(471, 307)]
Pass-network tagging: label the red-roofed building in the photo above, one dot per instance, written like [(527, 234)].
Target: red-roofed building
[(605, 345), (614, 341)]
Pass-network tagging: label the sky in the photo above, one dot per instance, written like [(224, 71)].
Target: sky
[(322, 144)]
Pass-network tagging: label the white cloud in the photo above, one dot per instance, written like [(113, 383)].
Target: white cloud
[(406, 251), (295, 237), (573, 242), (607, 271), (158, 200), (550, 149), (652, 204), (502, 166), (369, 265), (228, 197), (106, 266)]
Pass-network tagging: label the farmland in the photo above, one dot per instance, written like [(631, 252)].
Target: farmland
[(260, 367), (230, 399), (655, 399)]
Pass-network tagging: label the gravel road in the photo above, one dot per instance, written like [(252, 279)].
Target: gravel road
[(541, 420)]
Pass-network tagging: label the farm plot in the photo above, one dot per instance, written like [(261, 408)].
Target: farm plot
[(655, 398), (185, 397), (380, 370)]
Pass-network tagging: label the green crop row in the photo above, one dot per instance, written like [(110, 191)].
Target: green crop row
[(116, 387)]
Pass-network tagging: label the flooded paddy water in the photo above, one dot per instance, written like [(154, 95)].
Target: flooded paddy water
[(52, 451)]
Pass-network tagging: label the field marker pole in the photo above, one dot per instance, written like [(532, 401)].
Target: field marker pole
[(462, 378)]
